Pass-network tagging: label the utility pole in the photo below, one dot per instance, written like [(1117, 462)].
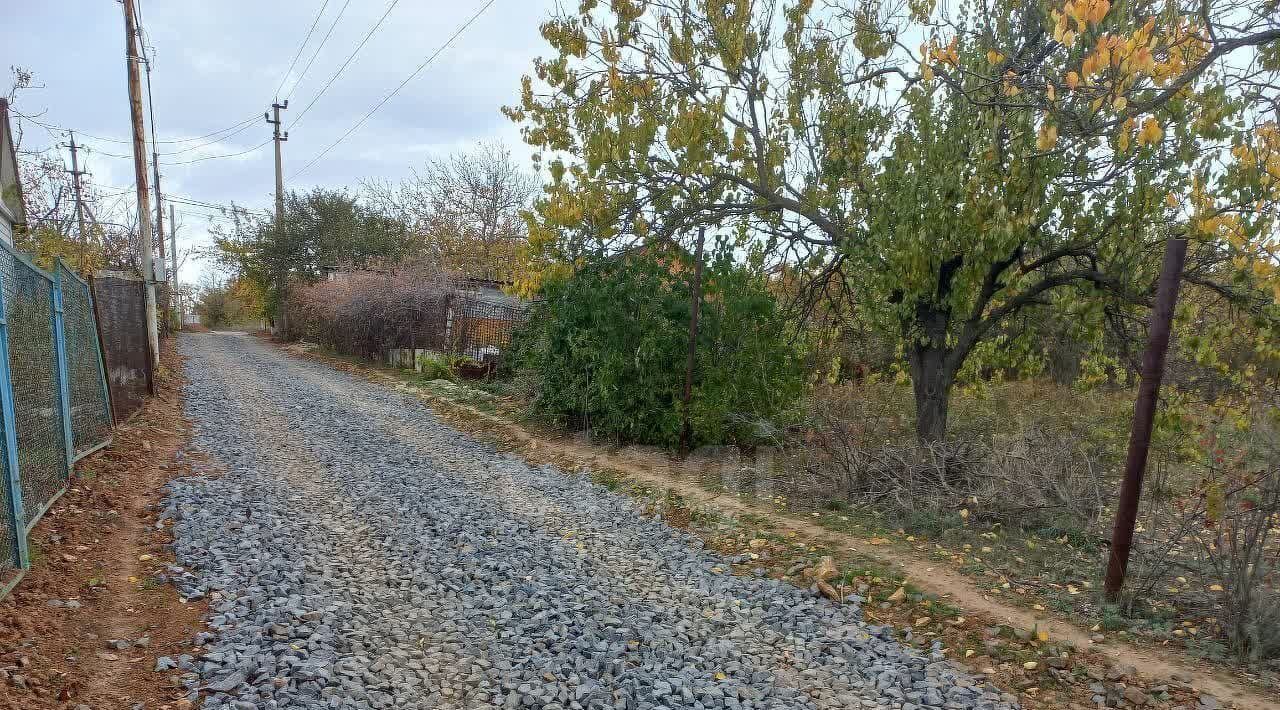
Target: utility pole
[(174, 297), (278, 138), (274, 119), (173, 246), (1144, 412), (75, 181), (155, 171), (155, 160), (140, 175), (695, 306)]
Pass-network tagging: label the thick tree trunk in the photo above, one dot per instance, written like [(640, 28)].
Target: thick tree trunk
[(933, 370), (931, 379)]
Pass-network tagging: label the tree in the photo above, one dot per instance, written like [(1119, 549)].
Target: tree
[(322, 229), (234, 302), (465, 209), (1024, 157), (49, 200)]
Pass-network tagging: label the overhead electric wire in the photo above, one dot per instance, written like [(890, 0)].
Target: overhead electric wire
[(301, 47), (216, 157), (319, 47), (390, 6), (51, 127), (395, 91), (216, 206)]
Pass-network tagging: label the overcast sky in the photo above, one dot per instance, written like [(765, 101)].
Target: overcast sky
[(217, 63)]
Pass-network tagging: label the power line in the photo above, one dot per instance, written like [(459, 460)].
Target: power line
[(319, 47), (390, 6), (51, 127), (217, 157), (191, 201), (301, 47), (395, 91)]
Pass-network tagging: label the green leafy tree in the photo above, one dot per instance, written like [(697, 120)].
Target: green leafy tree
[(322, 229), (1024, 157)]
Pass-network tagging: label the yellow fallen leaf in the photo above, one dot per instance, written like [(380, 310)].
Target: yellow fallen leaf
[(1215, 587), (1042, 636), (720, 675)]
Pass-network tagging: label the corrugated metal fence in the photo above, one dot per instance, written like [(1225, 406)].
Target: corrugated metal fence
[(53, 392), (122, 312)]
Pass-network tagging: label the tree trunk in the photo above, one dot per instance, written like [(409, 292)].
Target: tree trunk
[(931, 380), (932, 373)]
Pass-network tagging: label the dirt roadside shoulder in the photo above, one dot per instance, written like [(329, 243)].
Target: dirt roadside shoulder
[(85, 626), (1115, 664)]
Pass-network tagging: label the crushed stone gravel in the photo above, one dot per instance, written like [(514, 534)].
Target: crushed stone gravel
[(358, 553)]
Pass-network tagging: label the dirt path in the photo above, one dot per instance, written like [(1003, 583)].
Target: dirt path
[(662, 472), (97, 578)]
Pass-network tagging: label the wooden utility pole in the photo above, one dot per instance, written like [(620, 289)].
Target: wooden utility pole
[(695, 306), (75, 181), (140, 175), (1144, 412)]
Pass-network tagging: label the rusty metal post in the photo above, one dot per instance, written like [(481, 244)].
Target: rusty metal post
[(1144, 412), (695, 305)]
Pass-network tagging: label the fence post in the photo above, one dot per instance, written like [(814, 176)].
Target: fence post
[(60, 351), (10, 464)]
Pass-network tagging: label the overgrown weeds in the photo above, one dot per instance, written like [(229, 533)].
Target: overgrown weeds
[(1028, 471)]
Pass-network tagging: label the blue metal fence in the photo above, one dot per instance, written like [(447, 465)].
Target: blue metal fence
[(54, 406)]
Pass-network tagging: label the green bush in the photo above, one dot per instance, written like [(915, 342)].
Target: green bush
[(607, 348), (435, 367)]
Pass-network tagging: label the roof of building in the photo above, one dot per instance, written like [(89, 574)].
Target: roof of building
[(10, 186)]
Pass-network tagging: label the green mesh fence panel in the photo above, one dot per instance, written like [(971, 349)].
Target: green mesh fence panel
[(8, 546), (90, 410), (42, 456)]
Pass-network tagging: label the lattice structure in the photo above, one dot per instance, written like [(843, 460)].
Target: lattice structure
[(90, 407), (481, 324), (33, 364), (52, 388)]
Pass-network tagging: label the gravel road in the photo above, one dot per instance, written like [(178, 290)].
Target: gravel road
[(359, 553)]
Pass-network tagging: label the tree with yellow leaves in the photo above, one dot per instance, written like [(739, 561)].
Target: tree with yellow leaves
[(1023, 157)]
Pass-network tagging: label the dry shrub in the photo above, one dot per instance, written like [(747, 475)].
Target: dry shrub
[(1209, 529), (1041, 468), (366, 313)]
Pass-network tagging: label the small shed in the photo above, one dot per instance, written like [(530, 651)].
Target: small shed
[(12, 213)]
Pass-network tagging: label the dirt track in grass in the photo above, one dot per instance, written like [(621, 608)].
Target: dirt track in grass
[(96, 576)]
